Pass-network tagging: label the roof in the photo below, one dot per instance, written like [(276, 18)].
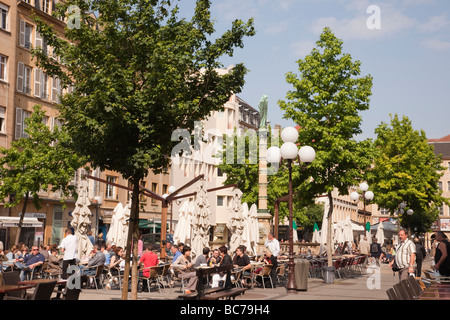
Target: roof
[(443, 139), (442, 148)]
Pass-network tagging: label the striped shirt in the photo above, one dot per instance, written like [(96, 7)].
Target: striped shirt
[(404, 252)]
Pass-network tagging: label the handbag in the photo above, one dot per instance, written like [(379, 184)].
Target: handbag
[(395, 267)]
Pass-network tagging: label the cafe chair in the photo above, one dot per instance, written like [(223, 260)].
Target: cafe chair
[(67, 293), (98, 276), (153, 277), (265, 273), (391, 294), (236, 278), (43, 291), (164, 275), (12, 278), (281, 273)]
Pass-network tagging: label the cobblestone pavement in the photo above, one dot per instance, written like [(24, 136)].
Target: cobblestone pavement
[(371, 285)]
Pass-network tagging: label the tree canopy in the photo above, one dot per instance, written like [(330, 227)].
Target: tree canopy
[(406, 170), (326, 100), (38, 162), (138, 73)]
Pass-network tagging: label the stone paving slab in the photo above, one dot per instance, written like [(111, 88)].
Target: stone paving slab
[(369, 286)]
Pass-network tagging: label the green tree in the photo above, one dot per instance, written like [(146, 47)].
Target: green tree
[(38, 162), (406, 170), (243, 169), (326, 100), (139, 72)]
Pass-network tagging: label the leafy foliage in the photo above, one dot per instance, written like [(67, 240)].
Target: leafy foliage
[(325, 102), (406, 170)]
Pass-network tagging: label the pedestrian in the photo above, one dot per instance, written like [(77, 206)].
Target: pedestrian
[(375, 251), (442, 257), (405, 256), (364, 249), (420, 255), (272, 244), (68, 246)]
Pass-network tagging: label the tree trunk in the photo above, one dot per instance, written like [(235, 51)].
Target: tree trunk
[(22, 215), (330, 228), (132, 245)]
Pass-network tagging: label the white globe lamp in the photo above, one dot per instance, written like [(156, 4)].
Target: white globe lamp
[(289, 134), (289, 151), (273, 155), (307, 154), (369, 195), (354, 196)]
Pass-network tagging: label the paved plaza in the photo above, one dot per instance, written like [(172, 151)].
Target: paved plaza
[(369, 286)]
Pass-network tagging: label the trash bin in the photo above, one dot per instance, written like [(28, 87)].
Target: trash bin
[(328, 274), (301, 271)]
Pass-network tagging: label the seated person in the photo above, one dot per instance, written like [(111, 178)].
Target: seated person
[(242, 261), (31, 261), (96, 258), (268, 258), (184, 263), (215, 258), (225, 260), (203, 258), (148, 259), (53, 261)]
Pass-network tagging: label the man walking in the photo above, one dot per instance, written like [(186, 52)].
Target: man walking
[(364, 249), (69, 247), (405, 256)]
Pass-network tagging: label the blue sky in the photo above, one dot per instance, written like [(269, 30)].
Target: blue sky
[(408, 57)]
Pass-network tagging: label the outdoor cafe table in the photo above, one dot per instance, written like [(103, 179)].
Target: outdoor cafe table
[(35, 282), (5, 288)]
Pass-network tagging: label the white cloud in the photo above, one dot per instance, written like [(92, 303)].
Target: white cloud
[(302, 48), (277, 28), (436, 23), (436, 44), (392, 22)]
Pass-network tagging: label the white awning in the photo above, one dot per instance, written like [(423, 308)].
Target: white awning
[(14, 222)]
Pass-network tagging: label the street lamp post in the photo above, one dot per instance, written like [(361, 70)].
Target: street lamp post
[(367, 195), (289, 151)]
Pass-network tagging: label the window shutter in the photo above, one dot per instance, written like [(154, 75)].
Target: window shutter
[(37, 82), (22, 33), (38, 39), (55, 85), (18, 131), (43, 85), (20, 70)]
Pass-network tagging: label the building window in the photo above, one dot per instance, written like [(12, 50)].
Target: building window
[(448, 185), (384, 211), (441, 210), (219, 201), (440, 185), (110, 189), (165, 189), (21, 115), (25, 34), (23, 78), (56, 89), (46, 6), (40, 84), (3, 60), (4, 16), (143, 198), (2, 120), (219, 172), (154, 190)]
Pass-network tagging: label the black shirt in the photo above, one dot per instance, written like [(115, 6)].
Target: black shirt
[(242, 261)]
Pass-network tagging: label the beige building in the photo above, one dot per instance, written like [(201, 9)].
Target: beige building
[(442, 146), (23, 85), (237, 114)]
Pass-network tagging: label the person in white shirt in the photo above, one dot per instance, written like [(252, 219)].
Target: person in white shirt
[(405, 256), (272, 244), (68, 246)]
